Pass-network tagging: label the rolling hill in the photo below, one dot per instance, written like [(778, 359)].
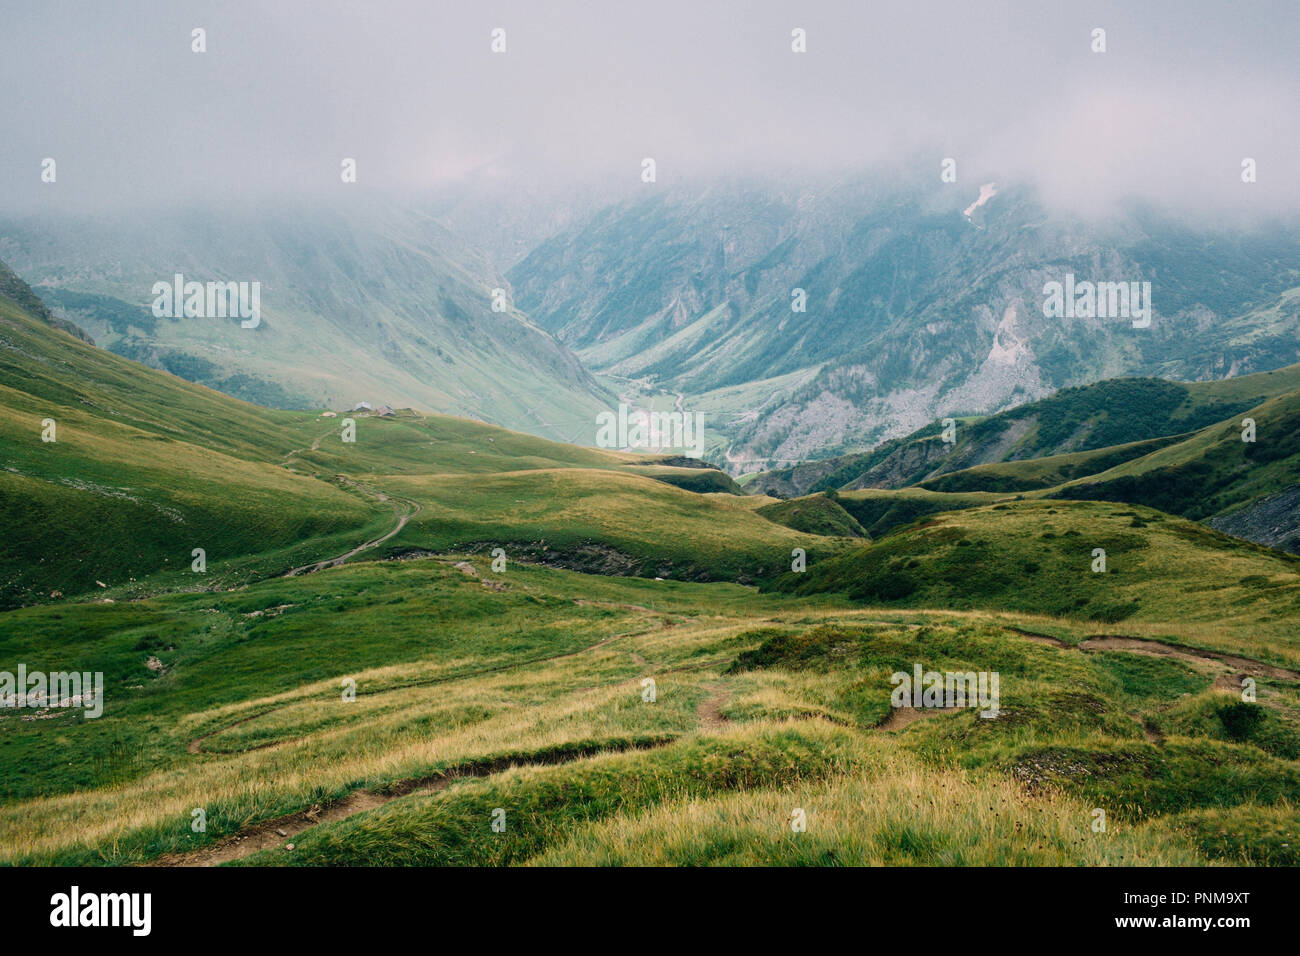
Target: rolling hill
[(1037, 557), (1216, 476), (146, 467), (1246, 488), (1115, 420), (357, 680)]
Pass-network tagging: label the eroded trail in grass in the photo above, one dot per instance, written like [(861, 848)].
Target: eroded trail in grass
[(1142, 645), (1106, 642), (810, 675), (278, 832), (315, 446), (404, 509), (709, 710), (901, 717)]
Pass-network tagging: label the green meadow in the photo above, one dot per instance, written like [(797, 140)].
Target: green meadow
[(499, 650)]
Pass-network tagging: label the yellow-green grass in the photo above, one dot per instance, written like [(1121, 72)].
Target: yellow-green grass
[(703, 480), (446, 670), (119, 495), (542, 806), (1037, 557), (1110, 417), (542, 665), (1204, 473), (894, 811), (608, 521), (1214, 471), (1255, 387), (419, 444), (50, 369), (1244, 834), (880, 510), (147, 467), (815, 514), (233, 700)]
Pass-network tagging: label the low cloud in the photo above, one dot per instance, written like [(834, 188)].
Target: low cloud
[(1184, 92)]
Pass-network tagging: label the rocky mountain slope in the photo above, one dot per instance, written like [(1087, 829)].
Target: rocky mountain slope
[(360, 302), (1077, 431), (921, 303)]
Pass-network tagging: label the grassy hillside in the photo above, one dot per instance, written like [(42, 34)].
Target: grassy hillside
[(20, 294), (144, 469), (1170, 576), (818, 514), (525, 690), (602, 521), (147, 467), (1116, 418), (1208, 472), (618, 692), (338, 281), (880, 512), (1248, 489), (1212, 473), (1036, 473), (703, 480)]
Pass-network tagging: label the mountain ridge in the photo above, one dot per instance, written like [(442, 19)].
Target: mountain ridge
[(915, 311)]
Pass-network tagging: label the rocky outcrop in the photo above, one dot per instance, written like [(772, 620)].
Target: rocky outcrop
[(1273, 521)]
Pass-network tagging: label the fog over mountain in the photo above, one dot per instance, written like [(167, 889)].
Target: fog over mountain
[(584, 91), (917, 172)]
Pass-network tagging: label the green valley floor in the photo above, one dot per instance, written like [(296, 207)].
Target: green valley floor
[(542, 716)]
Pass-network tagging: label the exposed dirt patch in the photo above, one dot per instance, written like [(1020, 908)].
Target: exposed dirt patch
[(901, 717), (1230, 682), (1106, 642), (1046, 769), (1149, 730), (1245, 666), (270, 611), (1040, 638), (709, 710), (412, 554), (591, 559)]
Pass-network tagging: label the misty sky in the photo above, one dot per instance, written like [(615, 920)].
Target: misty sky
[(113, 92)]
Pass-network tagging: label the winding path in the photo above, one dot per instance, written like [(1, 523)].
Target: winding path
[(272, 833), (1154, 648), (404, 509)]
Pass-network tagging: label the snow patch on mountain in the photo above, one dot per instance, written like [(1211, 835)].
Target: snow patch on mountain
[(987, 192)]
